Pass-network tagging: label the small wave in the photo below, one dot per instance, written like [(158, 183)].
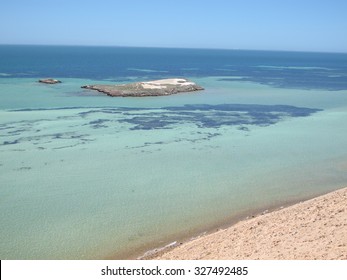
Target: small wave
[(157, 250), (292, 67), (147, 70), (224, 69), (190, 69), (5, 74)]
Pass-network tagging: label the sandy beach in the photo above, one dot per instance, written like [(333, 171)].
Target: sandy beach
[(314, 229)]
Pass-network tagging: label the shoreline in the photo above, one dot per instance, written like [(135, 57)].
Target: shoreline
[(315, 228), (150, 251)]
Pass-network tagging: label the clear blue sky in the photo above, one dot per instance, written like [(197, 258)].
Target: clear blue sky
[(306, 25)]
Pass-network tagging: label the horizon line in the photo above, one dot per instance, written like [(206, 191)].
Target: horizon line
[(156, 47)]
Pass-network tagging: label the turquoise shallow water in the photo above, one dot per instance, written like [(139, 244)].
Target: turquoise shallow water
[(86, 176), (85, 183)]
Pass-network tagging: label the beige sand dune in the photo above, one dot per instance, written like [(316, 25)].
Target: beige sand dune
[(314, 229)]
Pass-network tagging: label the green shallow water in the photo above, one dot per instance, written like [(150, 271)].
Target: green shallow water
[(95, 180)]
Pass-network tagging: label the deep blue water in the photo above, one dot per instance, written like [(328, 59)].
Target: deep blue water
[(279, 69)]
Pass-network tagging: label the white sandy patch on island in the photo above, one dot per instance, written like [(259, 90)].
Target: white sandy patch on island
[(164, 83), (152, 86), (314, 229)]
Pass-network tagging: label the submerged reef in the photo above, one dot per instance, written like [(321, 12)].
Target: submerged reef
[(204, 121)]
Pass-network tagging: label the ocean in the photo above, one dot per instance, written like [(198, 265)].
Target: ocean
[(87, 176)]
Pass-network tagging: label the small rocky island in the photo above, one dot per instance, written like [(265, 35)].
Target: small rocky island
[(49, 81), (151, 88)]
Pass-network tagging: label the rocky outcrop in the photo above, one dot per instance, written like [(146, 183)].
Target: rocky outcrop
[(49, 81), (151, 88)]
